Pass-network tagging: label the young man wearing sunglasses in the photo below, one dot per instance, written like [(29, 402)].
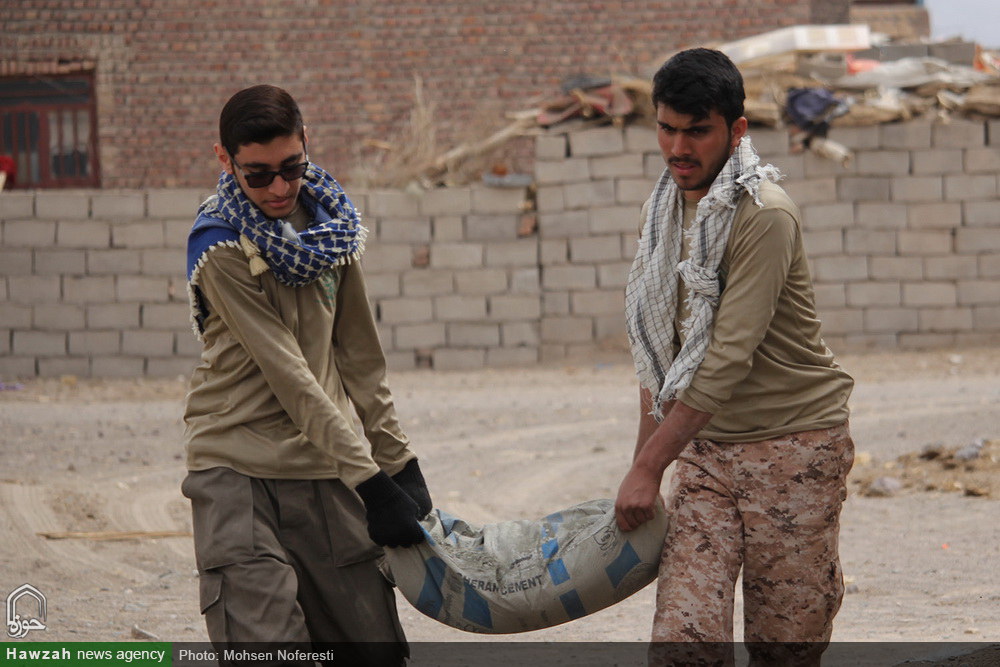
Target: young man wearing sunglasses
[(290, 505)]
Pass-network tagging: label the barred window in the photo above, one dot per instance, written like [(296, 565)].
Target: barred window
[(48, 130)]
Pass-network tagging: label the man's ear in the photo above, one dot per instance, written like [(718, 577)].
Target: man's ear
[(739, 130), (220, 152)]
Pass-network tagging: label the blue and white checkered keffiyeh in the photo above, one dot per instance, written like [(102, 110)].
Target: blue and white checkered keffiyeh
[(228, 218), (318, 248), (652, 287)]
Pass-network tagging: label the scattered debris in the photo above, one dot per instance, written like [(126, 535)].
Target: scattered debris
[(811, 112), (139, 633), (800, 39), (971, 451), (585, 97), (115, 534), (884, 487), (925, 75), (528, 225), (972, 469), (868, 79)]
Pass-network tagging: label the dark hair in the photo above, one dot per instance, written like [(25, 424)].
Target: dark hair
[(696, 82), (257, 115)]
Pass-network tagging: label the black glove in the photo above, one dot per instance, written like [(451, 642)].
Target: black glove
[(411, 480), (390, 513)]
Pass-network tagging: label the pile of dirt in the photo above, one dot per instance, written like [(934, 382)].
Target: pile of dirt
[(972, 469)]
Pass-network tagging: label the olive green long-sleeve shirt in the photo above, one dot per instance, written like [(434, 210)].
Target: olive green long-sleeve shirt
[(767, 371), (280, 371)]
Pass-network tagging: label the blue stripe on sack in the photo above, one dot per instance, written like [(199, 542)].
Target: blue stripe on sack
[(549, 523), (431, 598), (550, 548), (447, 521), (623, 564), (573, 605), (476, 609), (558, 572)]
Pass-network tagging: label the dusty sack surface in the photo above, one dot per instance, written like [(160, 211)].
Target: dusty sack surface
[(920, 561)]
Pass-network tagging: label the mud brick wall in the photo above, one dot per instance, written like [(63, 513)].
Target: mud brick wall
[(904, 246), (163, 70)]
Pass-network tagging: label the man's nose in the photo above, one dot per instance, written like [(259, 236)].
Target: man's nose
[(279, 186), (681, 145)]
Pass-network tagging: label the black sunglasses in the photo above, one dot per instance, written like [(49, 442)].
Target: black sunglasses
[(262, 179)]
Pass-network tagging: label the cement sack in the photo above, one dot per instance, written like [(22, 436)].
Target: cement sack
[(517, 576)]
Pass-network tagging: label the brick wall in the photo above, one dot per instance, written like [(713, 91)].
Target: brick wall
[(164, 70), (830, 12), (900, 22), (904, 246)]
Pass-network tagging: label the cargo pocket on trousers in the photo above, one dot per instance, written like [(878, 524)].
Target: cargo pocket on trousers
[(222, 511), (347, 529), (383, 567), (212, 605)]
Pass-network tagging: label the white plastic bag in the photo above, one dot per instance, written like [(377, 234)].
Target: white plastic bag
[(517, 576)]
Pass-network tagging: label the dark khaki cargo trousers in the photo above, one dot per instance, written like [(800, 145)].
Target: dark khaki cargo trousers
[(288, 563)]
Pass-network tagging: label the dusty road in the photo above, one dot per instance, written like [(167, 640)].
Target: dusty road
[(498, 444)]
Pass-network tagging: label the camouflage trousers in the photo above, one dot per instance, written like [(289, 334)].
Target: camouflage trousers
[(771, 508)]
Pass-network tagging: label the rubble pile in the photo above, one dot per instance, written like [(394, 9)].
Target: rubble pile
[(871, 80), (804, 78), (812, 78), (971, 469)]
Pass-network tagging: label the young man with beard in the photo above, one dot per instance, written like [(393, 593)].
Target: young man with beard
[(737, 387), (290, 504)]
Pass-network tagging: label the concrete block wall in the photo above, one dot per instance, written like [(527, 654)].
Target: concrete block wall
[(92, 283), (588, 221), (903, 243), (453, 277)]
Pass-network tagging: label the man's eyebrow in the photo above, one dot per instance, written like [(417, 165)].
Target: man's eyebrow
[(291, 159), (697, 125)]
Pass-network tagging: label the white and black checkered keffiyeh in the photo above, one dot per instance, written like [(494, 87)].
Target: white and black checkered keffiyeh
[(301, 259), (651, 291)]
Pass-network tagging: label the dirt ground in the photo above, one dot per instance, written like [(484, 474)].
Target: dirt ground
[(920, 537)]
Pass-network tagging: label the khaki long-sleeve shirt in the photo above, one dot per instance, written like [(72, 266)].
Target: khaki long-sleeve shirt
[(280, 371), (767, 371)]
